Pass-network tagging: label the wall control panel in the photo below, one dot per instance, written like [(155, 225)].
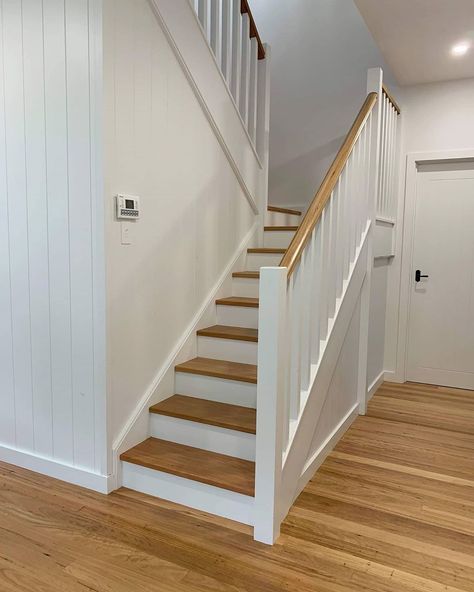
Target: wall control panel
[(127, 207)]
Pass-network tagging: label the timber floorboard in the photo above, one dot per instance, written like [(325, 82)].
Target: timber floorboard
[(390, 510)]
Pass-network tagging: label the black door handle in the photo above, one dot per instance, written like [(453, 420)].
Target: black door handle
[(418, 275)]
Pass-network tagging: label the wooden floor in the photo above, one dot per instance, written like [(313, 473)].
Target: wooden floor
[(391, 509)]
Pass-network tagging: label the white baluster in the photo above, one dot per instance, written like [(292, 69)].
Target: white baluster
[(315, 334), (307, 271), (323, 302), (386, 158), (340, 237), (357, 173), (393, 213), (380, 198), (370, 166), (216, 29), (347, 219), (236, 50), (363, 187), (263, 109), (195, 4), (204, 17), (296, 322), (253, 86), (227, 41), (245, 69), (332, 253)]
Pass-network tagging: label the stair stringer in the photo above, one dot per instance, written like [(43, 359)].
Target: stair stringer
[(137, 428), (299, 464)]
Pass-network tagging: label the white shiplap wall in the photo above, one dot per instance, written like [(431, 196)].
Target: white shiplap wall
[(52, 372)]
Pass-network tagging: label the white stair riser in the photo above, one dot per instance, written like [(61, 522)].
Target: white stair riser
[(193, 494), (206, 437), (221, 390), (278, 239), (257, 260), (237, 316), (245, 287), (228, 349), (280, 219)]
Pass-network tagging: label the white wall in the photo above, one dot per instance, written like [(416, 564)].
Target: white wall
[(439, 116), (321, 51), (52, 374), (195, 214)]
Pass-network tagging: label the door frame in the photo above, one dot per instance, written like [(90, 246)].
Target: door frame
[(413, 160)]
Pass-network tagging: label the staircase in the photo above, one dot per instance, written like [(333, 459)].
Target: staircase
[(201, 449)]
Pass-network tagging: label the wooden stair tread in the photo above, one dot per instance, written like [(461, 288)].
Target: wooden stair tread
[(281, 228), (252, 275), (220, 369), (263, 250), (227, 332), (284, 210), (223, 415), (238, 301), (211, 468)]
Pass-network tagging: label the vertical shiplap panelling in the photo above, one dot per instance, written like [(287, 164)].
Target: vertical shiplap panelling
[(96, 98), (18, 221), (7, 392), (58, 228), (80, 206), (52, 289), (35, 139)]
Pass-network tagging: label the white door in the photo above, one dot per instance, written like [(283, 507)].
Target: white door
[(441, 315)]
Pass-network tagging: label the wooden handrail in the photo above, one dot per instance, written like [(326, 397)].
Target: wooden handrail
[(245, 9), (302, 235), (389, 96)]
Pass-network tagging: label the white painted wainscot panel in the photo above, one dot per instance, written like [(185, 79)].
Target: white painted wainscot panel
[(51, 256)]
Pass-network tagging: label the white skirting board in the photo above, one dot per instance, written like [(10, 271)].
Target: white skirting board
[(55, 469), (374, 387), (193, 494)]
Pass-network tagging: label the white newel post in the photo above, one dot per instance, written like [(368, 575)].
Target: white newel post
[(374, 84), (270, 385), (263, 132)]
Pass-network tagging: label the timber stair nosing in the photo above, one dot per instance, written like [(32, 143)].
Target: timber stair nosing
[(243, 301), (251, 275), (267, 250), (195, 464), (229, 332), (222, 415), (223, 369), (280, 228), (284, 211)]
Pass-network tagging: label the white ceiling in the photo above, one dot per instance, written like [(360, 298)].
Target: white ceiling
[(416, 36)]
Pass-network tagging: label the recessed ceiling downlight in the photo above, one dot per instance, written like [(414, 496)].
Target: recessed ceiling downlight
[(460, 49)]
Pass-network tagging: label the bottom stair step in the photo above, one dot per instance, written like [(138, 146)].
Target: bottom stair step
[(219, 470)]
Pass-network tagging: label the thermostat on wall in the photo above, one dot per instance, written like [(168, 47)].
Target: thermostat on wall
[(128, 207)]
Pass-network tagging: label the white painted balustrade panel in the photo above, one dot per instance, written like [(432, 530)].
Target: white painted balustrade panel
[(297, 325)]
